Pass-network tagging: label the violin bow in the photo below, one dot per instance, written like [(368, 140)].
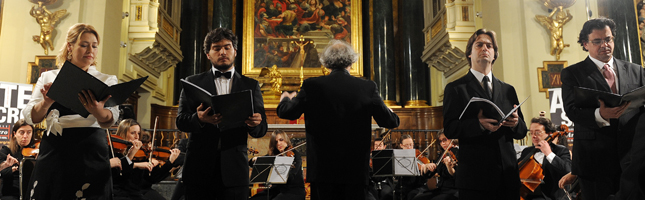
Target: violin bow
[(428, 147), (386, 136), (445, 152), (292, 148), (111, 148), (152, 142)]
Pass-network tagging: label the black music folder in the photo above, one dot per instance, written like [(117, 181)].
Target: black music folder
[(71, 80), (588, 98), (235, 107), (489, 109)]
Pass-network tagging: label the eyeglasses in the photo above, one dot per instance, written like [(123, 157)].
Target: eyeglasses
[(536, 132), (607, 40)]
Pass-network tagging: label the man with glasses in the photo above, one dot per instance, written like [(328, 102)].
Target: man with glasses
[(602, 135), (554, 159)]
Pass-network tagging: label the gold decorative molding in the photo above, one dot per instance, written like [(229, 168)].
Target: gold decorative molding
[(391, 104), (139, 13), (416, 104), (549, 75)]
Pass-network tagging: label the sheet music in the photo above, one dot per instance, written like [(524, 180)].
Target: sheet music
[(281, 167)]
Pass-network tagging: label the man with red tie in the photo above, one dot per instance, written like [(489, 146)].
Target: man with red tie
[(602, 135)]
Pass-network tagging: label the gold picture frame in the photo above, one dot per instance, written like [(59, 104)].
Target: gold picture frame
[(1, 11), (42, 64), (549, 75), (260, 44)]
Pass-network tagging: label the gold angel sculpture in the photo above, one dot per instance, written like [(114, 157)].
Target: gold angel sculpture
[(555, 27), (46, 20)]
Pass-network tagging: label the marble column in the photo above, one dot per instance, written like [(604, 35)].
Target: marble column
[(223, 14), (381, 48), (627, 42), (194, 29), (414, 72)]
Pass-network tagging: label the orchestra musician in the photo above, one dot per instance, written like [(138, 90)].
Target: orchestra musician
[(411, 186), (21, 137), (379, 186), (180, 190), (72, 145), (135, 172), (294, 189), (554, 159), (445, 172)]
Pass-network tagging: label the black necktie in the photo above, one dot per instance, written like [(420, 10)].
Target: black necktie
[(486, 88), (225, 74)]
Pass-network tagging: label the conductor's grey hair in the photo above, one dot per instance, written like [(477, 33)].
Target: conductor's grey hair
[(338, 55)]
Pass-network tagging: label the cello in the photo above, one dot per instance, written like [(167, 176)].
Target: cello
[(531, 171)]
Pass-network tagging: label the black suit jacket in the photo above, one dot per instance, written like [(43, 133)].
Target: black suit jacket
[(487, 161), (338, 112), (210, 149), (554, 170), (595, 149)]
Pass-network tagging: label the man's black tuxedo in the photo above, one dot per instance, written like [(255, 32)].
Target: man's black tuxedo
[(487, 161), (599, 151), (338, 112), (213, 155), (554, 170)]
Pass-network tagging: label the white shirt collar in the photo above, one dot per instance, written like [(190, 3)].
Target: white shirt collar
[(480, 76), (601, 64)]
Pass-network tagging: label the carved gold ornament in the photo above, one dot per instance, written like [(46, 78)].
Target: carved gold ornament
[(46, 20), (554, 23)]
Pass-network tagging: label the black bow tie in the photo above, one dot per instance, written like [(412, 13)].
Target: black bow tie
[(225, 74)]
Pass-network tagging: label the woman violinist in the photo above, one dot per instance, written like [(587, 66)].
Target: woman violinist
[(294, 189), (22, 137), (127, 183), (445, 173), (73, 159)]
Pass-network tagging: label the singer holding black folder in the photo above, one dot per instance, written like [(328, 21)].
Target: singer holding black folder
[(603, 135), (216, 165), (73, 160), (487, 160)]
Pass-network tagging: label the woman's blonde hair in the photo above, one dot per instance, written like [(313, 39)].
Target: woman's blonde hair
[(124, 126), (73, 34), (273, 145)]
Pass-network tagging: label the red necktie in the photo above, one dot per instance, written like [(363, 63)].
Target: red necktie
[(610, 78)]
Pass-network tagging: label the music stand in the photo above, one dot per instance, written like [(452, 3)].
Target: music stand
[(395, 163), (271, 170)]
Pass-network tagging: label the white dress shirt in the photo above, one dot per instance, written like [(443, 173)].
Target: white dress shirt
[(55, 122)]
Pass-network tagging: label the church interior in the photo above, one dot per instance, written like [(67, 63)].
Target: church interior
[(411, 48)]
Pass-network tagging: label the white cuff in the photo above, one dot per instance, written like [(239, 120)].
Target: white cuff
[(550, 157), (599, 120)]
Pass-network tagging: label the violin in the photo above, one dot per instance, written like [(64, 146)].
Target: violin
[(118, 144), (31, 152), (420, 158), (163, 153), (531, 171), (253, 151), (449, 153)]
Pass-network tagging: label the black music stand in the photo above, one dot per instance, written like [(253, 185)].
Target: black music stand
[(271, 170), (395, 163)]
